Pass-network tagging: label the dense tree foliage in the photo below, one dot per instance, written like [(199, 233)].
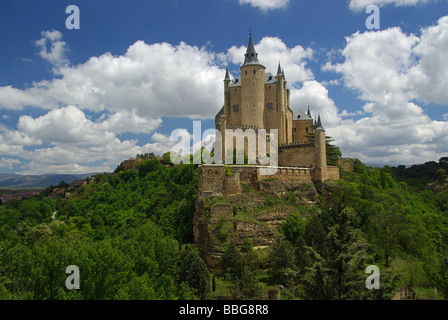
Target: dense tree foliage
[(123, 231), (131, 235), (193, 272), (421, 174)]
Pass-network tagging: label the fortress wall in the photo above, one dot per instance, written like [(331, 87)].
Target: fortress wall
[(246, 144), (297, 157), (213, 178), (333, 172)]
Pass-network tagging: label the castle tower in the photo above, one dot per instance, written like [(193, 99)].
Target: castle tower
[(321, 154), (227, 93), (252, 88), (280, 77)]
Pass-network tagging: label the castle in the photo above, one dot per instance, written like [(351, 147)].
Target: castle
[(258, 100)]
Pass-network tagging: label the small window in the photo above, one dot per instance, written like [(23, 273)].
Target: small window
[(255, 71), (245, 72), (306, 129)]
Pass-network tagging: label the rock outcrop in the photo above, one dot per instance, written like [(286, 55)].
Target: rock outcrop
[(234, 204)]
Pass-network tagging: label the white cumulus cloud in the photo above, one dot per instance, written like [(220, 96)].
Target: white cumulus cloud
[(394, 74), (357, 5), (149, 80), (52, 48), (266, 5)]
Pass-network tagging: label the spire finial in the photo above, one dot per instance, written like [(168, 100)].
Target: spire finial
[(279, 70), (319, 123), (251, 55), (227, 77)]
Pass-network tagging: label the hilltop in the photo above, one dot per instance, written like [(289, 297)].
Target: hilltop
[(16, 181), (133, 233)]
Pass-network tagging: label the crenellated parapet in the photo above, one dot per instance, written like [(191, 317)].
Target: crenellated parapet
[(242, 127), (295, 145)]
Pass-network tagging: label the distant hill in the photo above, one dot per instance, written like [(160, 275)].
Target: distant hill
[(420, 175), (8, 180)]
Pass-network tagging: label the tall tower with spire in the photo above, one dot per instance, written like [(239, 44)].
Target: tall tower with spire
[(252, 88), (257, 99)]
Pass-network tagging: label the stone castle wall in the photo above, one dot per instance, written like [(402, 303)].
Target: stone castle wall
[(333, 172), (303, 155), (217, 179)]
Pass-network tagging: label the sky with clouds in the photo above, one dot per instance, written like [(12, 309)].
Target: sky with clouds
[(82, 100)]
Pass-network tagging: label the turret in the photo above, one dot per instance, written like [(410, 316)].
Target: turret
[(227, 93), (321, 151), (281, 105), (252, 88)]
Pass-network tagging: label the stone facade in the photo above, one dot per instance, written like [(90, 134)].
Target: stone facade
[(219, 180), (258, 100)]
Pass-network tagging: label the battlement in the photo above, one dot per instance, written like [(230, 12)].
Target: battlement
[(226, 180), (242, 127), (294, 145)]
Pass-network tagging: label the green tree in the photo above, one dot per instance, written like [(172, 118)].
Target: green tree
[(387, 226), (138, 288), (293, 227), (245, 284), (193, 271), (317, 282), (281, 262), (441, 175)]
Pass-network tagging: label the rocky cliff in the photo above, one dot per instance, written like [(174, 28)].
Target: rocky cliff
[(234, 204)]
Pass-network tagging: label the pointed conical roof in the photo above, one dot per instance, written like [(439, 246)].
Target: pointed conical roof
[(309, 112), (251, 55), (279, 70), (227, 74), (319, 123)]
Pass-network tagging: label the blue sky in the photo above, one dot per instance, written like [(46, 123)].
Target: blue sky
[(83, 100)]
